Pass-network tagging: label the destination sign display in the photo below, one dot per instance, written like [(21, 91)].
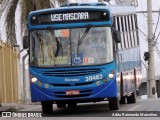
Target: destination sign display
[(69, 16)]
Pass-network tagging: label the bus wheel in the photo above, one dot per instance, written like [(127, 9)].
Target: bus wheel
[(131, 98), (113, 103), (123, 100), (47, 107), (72, 104), (61, 105)]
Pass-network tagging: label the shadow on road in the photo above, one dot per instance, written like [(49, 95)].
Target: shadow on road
[(89, 110)]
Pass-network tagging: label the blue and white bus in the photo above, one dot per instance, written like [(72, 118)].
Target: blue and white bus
[(81, 53)]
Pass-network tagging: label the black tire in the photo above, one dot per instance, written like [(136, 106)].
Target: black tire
[(113, 103), (131, 98), (61, 105), (123, 100), (72, 104), (47, 107)]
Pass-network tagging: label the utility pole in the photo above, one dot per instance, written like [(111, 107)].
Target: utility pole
[(151, 83)]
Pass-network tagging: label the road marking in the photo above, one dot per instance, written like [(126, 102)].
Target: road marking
[(133, 108), (31, 108)]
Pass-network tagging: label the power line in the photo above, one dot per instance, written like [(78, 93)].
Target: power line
[(143, 11), (158, 51), (157, 38), (143, 27), (120, 1), (156, 25), (116, 2), (109, 3), (142, 32)]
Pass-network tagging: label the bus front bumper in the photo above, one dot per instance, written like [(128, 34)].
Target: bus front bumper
[(85, 93)]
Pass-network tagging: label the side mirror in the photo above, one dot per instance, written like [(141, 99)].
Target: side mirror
[(25, 42), (116, 35)]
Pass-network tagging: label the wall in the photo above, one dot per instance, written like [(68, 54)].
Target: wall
[(8, 73)]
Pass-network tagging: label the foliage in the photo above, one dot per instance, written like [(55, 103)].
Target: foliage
[(11, 24)]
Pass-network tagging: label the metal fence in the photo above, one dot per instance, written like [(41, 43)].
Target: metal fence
[(8, 73)]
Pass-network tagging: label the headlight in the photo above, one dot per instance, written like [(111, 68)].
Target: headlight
[(111, 76), (34, 79)]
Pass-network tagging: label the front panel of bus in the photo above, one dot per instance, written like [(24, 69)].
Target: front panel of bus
[(71, 55)]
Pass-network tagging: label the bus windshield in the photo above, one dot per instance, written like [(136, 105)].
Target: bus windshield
[(71, 47)]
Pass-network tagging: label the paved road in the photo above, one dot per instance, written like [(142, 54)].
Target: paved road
[(94, 111)]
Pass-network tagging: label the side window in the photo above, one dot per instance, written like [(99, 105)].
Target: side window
[(128, 31), (121, 31), (125, 32), (134, 29), (128, 27), (117, 26), (131, 30)]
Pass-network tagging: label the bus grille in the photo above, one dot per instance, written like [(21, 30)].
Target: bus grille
[(83, 93), (68, 85), (71, 73)]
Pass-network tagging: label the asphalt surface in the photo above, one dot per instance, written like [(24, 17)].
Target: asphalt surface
[(145, 108)]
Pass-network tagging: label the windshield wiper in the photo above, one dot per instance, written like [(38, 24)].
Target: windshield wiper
[(59, 45), (80, 39)]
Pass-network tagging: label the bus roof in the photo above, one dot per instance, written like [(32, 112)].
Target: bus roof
[(115, 9), (122, 10)]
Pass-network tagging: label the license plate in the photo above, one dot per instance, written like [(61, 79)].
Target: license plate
[(72, 92)]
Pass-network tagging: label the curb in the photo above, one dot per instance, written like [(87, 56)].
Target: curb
[(10, 108), (6, 109)]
